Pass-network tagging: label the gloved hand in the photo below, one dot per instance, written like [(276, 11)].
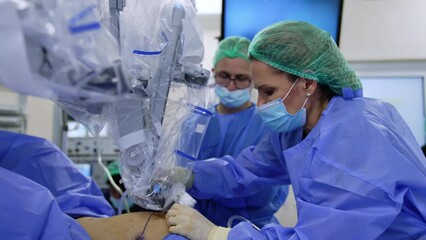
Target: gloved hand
[(176, 175), (183, 175), (190, 223)]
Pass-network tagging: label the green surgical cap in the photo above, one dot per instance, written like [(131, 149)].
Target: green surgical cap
[(306, 51), (232, 47), (113, 169)]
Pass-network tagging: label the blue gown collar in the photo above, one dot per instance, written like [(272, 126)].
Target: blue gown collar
[(349, 93)]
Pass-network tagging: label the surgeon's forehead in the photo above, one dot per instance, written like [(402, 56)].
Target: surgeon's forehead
[(233, 66), (264, 75)]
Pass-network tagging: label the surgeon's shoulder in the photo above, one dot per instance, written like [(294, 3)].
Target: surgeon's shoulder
[(360, 116), (24, 140), (17, 141), (359, 109), (6, 136), (374, 113)]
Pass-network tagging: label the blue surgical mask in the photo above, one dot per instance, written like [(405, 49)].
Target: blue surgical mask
[(232, 99), (274, 114), (116, 202)]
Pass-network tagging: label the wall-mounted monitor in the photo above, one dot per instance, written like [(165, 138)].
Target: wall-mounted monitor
[(406, 94), (84, 168), (247, 17)]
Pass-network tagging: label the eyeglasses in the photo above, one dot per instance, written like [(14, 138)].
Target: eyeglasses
[(240, 80)]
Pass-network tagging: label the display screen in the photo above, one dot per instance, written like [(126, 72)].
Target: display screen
[(247, 17), (406, 94), (84, 168)]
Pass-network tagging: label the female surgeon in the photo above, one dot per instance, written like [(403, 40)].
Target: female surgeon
[(356, 169), (233, 127)]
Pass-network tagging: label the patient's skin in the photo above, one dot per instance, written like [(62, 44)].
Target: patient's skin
[(127, 226)]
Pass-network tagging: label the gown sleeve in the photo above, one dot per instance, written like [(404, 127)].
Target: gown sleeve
[(254, 168), (29, 211), (41, 161)]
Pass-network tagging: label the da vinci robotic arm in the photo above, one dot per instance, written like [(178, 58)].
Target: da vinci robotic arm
[(149, 89)]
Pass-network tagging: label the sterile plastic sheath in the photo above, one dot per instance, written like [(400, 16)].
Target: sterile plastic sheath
[(60, 50), (159, 42)]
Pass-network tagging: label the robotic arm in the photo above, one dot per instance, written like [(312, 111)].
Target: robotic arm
[(168, 82), (48, 50), (60, 50)]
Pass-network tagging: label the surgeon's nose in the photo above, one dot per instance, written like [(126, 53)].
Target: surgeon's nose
[(232, 86), (260, 101)]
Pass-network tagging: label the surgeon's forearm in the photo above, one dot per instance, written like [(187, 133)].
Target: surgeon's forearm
[(126, 226), (223, 178)]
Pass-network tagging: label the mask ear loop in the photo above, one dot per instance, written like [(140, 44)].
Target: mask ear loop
[(306, 100), (292, 86)]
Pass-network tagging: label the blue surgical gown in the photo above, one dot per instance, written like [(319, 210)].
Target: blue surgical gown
[(229, 134), (41, 162), (359, 174), (29, 211)]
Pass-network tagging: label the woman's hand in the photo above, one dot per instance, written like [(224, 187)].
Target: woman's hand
[(190, 223)]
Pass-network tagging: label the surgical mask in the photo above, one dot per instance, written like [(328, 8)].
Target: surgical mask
[(274, 114), (116, 202), (232, 99)]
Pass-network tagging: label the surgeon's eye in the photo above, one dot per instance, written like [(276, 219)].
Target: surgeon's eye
[(268, 92)]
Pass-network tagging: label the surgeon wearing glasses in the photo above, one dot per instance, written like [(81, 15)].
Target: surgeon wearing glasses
[(233, 90)]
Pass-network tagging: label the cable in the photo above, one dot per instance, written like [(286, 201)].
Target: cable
[(113, 184), (120, 203), (232, 218)]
